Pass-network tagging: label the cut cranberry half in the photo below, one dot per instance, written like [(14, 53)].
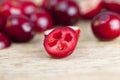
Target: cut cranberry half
[(4, 41), (106, 26), (11, 7), (75, 28), (64, 12), (88, 8), (42, 21), (112, 5), (28, 7), (19, 28), (61, 42)]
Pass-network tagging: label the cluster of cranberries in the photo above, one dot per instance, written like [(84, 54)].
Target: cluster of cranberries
[(21, 19)]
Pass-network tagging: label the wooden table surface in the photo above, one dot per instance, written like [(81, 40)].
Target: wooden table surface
[(91, 60)]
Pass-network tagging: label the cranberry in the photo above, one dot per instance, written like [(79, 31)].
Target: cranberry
[(42, 21), (64, 12), (19, 28), (4, 41), (106, 26), (28, 7), (88, 8), (11, 7), (61, 42), (2, 23), (112, 5)]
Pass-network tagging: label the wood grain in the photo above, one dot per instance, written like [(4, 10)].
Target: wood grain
[(91, 60)]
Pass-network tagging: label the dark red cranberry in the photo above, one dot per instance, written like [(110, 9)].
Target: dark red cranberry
[(88, 8), (11, 7), (42, 21), (28, 7), (64, 12), (2, 23), (4, 41), (112, 5), (106, 26), (19, 28)]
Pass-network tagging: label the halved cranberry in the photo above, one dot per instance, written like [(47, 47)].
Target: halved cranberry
[(61, 42), (64, 12), (42, 21), (28, 7), (11, 7), (88, 8), (112, 5), (106, 26), (19, 28), (4, 41)]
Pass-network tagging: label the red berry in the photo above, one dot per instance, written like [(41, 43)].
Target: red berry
[(19, 28), (4, 41), (64, 12), (106, 26), (88, 8), (28, 7), (42, 21), (2, 23), (60, 42), (112, 5), (11, 8)]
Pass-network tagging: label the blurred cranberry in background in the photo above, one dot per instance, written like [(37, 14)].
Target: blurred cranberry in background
[(28, 7), (4, 41), (112, 5), (10, 7), (19, 28), (89, 8), (64, 12), (42, 21)]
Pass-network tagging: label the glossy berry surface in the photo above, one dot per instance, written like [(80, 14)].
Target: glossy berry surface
[(42, 21), (10, 8), (28, 7), (106, 26), (19, 28), (64, 12), (60, 42), (4, 41), (88, 8), (112, 5)]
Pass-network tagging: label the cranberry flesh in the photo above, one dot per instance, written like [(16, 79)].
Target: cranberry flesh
[(28, 7), (61, 42), (4, 41), (106, 26), (19, 28), (112, 5), (42, 21), (64, 12), (88, 8), (11, 7)]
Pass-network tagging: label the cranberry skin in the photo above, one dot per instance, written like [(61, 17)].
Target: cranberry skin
[(112, 5), (42, 21), (28, 7), (64, 12), (89, 9), (106, 26), (2, 23), (4, 41), (19, 28), (11, 7)]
